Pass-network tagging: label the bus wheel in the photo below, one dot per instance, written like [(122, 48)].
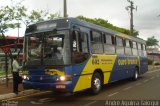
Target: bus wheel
[(136, 74), (96, 83)]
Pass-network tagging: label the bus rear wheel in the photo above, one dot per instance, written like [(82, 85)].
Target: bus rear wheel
[(136, 74), (96, 83)]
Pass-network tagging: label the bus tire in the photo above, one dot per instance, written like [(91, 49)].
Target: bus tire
[(136, 74), (96, 83)]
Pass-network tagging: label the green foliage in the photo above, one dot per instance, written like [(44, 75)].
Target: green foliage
[(157, 63), (12, 17), (2, 73), (135, 33), (150, 61), (2, 36), (9, 17), (6, 16), (38, 15), (52, 16), (106, 24), (152, 41)]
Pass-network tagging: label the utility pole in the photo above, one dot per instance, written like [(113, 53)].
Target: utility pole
[(18, 32), (65, 8), (6, 68), (131, 8)]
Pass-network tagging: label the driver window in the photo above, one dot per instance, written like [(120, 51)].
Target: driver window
[(53, 47)]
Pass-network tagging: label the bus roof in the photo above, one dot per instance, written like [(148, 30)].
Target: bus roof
[(64, 23), (105, 30)]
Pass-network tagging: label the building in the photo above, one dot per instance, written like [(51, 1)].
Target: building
[(154, 54)]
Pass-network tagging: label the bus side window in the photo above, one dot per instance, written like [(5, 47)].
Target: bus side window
[(109, 47), (140, 51), (128, 50), (119, 45), (96, 42), (84, 42), (144, 50), (134, 49)]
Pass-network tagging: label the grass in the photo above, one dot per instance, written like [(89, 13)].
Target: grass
[(2, 73)]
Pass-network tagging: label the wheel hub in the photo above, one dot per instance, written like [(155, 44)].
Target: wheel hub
[(97, 83), (136, 75)]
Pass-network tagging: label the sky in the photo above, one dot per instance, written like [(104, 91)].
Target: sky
[(146, 17)]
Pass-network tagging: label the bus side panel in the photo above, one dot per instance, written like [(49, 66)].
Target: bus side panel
[(102, 62), (123, 68), (143, 65), (81, 81), (113, 67), (76, 73)]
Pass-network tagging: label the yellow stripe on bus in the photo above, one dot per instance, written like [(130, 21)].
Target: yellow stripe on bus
[(103, 62), (55, 71)]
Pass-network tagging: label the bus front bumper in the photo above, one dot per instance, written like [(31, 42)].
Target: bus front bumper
[(56, 86)]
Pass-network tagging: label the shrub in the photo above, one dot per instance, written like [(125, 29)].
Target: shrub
[(150, 61)]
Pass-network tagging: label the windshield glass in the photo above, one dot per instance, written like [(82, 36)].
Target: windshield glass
[(48, 48)]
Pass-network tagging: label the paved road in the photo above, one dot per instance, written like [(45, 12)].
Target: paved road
[(145, 88)]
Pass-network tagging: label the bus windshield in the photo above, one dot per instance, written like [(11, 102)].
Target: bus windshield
[(48, 48)]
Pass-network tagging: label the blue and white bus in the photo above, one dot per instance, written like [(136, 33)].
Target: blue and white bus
[(70, 55)]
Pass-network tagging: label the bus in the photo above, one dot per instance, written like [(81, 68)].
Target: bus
[(71, 55)]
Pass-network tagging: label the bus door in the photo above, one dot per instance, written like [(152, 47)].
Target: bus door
[(80, 52), (80, 48)]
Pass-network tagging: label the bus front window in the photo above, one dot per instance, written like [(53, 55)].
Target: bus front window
[(48, 48)]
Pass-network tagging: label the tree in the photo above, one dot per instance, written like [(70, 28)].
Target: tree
[(6, 19), (52, 16), (37, 16), (12, 17), (152, 41), (135, 33), (20, 14), (106, 24)]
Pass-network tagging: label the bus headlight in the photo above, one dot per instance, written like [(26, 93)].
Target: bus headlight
[(64, 78), (25, 77)]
